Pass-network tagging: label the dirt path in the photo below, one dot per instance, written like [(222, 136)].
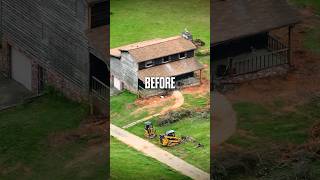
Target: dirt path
[(224, 120), (179, 100), (157, 153)]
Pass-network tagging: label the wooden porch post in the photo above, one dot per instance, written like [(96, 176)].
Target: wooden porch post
[(290, 45)]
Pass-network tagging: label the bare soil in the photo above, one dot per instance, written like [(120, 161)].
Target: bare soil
[(203, 89)]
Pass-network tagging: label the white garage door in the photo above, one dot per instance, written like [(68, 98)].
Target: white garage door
[(21, 68), (117, 83)]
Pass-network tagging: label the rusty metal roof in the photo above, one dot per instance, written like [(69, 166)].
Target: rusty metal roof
[(156, 48), (232, 19), (171, 69)]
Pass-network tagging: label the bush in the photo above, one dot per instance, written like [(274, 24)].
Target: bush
[(203, 52), (175, 116)]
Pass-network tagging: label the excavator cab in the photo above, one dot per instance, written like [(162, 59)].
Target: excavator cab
[(149, 131), (169, 139)]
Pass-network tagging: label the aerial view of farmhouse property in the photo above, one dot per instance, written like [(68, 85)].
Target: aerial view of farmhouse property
[(51, 55), (266, 78), (160, 133)]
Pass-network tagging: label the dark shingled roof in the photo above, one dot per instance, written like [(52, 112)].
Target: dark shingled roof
[(233, 19)]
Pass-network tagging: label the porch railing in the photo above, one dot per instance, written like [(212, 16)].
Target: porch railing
[(99, 88), (274, 44), (259, 62), (256, 61)]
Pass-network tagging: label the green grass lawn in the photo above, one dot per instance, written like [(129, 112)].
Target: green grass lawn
[(25, 151), (196, 127), (277, 126), (138, 20), (312, 39), (127, 163), (264, 128), (122, 105), (205, 60), (308, 3)]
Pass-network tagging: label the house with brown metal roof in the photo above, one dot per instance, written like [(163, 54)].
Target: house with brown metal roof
[(243, 40), (169, 57)]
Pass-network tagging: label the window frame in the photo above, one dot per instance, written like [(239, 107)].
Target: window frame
[(168, 60), (184, 57), (149, 63)]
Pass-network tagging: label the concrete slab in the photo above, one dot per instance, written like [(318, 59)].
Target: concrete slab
[(11, 92)]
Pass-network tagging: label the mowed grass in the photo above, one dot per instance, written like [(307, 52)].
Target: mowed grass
[(269, 125), (312, 39), (269, 128), (194, 101), (308, 3), (137, 20), (25, 151), (127, 163), (122, 105), (205, 60)]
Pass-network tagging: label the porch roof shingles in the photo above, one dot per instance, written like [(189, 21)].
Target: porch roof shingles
[(156, 48), (237, 18), (171, 69)]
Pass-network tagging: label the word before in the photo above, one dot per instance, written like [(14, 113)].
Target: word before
[(160, 83)]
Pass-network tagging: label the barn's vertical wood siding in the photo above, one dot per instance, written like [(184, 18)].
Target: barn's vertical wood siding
[(52, 32), (126, 70)]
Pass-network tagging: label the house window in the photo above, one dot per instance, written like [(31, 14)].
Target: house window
[(99, 14), (165, 59), (182, 55), (149, 63)]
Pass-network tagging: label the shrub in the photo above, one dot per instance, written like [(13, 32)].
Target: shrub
[(175, 116)]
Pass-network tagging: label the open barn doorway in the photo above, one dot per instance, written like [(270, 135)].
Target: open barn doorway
[(99, 77)]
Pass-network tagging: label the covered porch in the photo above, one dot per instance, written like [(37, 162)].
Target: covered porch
[(243, 38), (263, 52), (187, 72)]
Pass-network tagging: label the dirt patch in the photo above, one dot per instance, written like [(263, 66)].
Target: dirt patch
[(151, 104), (144, 102), (203, 89), (93, 131), (97, 150), (301, 83)]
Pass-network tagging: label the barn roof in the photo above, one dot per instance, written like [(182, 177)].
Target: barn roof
[(156, 48), (232, 19), (171, 69)]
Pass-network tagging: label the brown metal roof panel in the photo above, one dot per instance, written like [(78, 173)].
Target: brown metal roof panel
[(171, 69), (232, 19), (98, 39), (165, 48), (156, 48)]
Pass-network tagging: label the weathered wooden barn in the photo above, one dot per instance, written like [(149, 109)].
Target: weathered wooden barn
[(242, 38), (62, 43), (169, 57)]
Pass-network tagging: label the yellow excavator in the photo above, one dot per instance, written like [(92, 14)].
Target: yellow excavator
[(169, 139), (149, 131)]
